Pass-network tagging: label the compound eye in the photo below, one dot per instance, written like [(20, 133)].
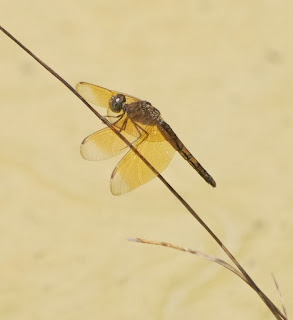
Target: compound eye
[(116, 102)]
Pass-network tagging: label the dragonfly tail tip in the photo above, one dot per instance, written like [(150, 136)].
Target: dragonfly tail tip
[(212, 182)]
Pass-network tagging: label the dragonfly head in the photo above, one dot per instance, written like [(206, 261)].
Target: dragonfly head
[(116, 102)]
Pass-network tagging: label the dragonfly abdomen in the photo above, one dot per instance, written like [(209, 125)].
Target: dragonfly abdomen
[(197, 166), (172, 138)]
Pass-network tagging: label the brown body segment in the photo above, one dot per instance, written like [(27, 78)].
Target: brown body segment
[(179, 146), (144, 113)]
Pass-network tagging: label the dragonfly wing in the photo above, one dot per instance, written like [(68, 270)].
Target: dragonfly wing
[(131, 171), (98, 95), (94, 94), (101, 96), (105, 144)]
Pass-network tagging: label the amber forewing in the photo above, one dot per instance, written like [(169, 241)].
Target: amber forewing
[(98, 95)]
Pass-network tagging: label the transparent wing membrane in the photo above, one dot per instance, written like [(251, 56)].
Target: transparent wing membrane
[(131, 171), (98, 95), (105, 144)]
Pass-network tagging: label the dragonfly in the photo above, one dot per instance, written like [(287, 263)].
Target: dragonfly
[(142, 125)]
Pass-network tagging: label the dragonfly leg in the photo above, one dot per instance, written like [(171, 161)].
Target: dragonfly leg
[(138, 128), (123, 125), (116, 117), (119, 117)]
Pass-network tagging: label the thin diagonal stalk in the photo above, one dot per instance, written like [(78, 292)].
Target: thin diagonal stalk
[(207, 257), (192, 251), (278, 314), (280, 296)]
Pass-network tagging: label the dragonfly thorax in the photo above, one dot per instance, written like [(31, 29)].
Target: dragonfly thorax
[(116, 102)]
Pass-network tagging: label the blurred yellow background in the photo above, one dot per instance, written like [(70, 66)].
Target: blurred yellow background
[(220, 72)]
